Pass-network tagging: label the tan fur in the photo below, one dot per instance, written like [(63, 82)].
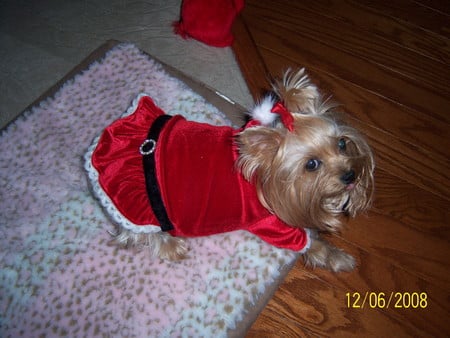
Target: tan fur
[(311, 199), (322, 254), (296, 91), (160, 244)]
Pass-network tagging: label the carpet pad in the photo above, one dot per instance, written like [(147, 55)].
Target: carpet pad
[(58, 276)]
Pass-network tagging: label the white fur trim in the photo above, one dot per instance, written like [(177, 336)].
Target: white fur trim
[(262, 112), (308, 241)]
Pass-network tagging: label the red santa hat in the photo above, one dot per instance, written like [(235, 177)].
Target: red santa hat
[(208, 21)]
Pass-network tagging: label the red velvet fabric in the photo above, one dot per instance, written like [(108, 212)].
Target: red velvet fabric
[(200, 186), (119, 163), (208, 21)]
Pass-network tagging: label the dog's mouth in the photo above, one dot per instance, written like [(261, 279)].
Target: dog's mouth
[(345, 205), (339, 205)]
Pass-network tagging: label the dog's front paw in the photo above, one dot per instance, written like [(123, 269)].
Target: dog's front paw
[(322, 254), (341, 261)]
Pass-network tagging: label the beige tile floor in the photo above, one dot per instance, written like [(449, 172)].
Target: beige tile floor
[(40, 41)]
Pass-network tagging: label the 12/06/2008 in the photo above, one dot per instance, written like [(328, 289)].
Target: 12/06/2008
[(381, 300)]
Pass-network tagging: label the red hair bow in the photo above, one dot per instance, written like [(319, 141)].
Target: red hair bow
[(285, 115)]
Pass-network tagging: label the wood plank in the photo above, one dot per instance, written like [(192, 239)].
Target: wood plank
[(412, 13), (306, 301), (250, 62), (271, 324), (373, 22), (437, 5), (403, 246), (346, 66), (407, 161), (327, 313), (411, 205), (365, 45), (375, 274)]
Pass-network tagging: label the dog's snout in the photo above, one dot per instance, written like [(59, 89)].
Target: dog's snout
[(348, 177)]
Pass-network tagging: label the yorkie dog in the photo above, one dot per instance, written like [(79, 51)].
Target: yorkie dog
[(292, 172)]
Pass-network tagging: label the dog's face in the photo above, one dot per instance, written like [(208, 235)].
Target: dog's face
[(312, 175)]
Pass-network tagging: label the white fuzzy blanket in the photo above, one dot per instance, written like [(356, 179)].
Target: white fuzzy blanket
[(58, 277)]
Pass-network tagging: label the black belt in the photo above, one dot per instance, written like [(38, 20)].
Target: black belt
[(147, 150)]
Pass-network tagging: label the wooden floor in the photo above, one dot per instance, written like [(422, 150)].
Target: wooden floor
[(388, 63)]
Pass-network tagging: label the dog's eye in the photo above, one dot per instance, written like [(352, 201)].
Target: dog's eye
[(342, 144), (313, 164)]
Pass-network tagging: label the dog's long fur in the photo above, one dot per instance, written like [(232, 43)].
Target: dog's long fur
[(309, 177)]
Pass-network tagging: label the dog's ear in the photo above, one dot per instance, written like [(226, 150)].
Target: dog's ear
[(257, 148)]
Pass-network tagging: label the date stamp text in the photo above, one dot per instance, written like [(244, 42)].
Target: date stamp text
[(382, 300)]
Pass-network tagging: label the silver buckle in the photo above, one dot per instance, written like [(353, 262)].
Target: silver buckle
[(145, 152)]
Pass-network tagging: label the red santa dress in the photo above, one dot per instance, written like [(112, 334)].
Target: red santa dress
[(201, 191)]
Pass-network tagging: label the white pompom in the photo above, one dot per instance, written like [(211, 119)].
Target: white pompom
[(262, 112)]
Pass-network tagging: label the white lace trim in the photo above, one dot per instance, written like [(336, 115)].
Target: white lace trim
[(102, 196)]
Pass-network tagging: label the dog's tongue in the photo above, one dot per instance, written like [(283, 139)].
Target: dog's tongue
[(350, 186)]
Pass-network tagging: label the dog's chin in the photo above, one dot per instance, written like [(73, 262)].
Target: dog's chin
[(333, 211), (350, 202)]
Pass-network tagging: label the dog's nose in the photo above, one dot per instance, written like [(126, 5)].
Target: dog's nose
[(348, 177)]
